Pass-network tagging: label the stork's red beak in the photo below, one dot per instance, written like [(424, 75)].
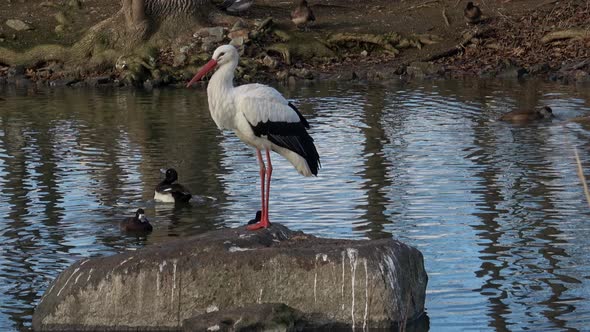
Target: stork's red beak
[(206, 68)]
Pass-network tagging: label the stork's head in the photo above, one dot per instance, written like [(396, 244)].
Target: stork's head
[(226, 54)]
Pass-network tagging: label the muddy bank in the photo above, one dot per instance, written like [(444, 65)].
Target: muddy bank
[(373, 41)]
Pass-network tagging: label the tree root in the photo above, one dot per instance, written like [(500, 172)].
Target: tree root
[(458, 48), (565, 34), (383, 41)]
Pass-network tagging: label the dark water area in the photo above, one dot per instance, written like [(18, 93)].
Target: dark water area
[(497, 209)]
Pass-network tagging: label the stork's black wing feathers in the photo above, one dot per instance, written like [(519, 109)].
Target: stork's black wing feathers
[(292, 136), (301, 118)]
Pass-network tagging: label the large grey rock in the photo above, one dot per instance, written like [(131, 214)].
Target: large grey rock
[(368, 283)]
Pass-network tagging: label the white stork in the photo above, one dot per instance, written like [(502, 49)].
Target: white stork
[(262, 118)]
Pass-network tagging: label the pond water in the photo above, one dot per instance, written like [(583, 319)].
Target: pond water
[(497, 209)]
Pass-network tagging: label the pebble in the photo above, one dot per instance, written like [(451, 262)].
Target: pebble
[(18, 25)]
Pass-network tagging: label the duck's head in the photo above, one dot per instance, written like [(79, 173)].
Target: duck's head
[(140, 215), (170, 174), (469, 5), (546, 112), (225, 54)]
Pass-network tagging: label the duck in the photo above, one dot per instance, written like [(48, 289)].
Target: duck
[(236, 6), (256, 218), (302, 14), (138, 223), (472, 13), (527, 115), (168, 191)]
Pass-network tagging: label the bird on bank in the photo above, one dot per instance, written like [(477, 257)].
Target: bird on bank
[(472, 13), (262, 118), (302, 14), (523, 116), (138, 223), (170, 192), (236, 6)]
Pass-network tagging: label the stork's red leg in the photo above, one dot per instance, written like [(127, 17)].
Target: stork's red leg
[(268, 175), (263, 172)]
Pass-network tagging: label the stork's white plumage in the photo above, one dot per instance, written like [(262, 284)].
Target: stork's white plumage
[(261, 117)]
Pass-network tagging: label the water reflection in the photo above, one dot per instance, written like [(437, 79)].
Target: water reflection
[(497, 209)]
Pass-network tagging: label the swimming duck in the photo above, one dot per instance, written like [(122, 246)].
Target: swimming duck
[(472, 13), (168, 191), (139, 223), (527, 115), (302, 14)]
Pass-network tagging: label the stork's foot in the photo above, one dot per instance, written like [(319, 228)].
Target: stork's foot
[(256, 219), (258, 225)]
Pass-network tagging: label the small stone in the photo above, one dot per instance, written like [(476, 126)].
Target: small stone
[(148, 85), (364, 53), (512, 72), (47, 4), (423, 69), (237, 42), (18, 25), (179, 60), (208, 44), (303, 73), (61, 18), (269, 62), (541, 68), (184, 49), (100, 80), (238, 33), (283, 75), (239, 25), (211, 308), (59, 29), (581, 76), (215, 33), (76, 4), (63, 82), (16, 71)]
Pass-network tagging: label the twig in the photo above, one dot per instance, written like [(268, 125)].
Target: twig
[(444, 14), (564, 34), (424, 4), (457, 3), (459, 47), (545, 3), (581, 175)]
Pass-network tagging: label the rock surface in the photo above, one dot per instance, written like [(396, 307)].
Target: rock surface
[(364, 283), (255, 317)]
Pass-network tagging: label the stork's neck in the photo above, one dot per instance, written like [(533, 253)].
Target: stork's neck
[(222, 82), (220, 96)]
